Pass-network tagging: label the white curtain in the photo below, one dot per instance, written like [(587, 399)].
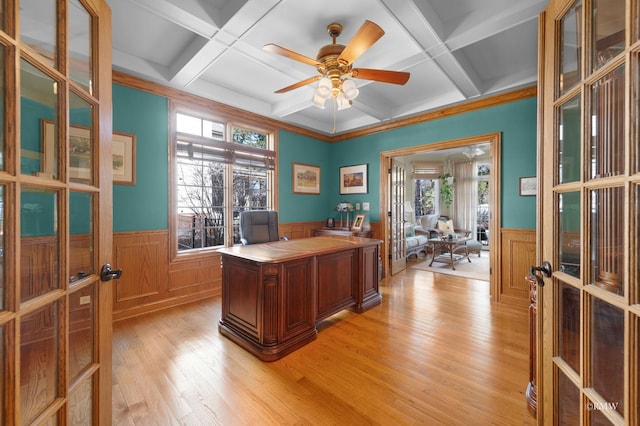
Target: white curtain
[(465, 196)]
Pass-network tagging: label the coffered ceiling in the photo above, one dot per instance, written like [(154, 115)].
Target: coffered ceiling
[(455, 51)]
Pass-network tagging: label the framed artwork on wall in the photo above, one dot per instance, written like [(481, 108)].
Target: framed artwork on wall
[(123, 153), (306, 178), (353, 179), (528, 186)]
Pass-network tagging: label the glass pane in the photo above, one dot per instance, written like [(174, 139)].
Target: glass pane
[(569, 233), (249, 193), (80, 407), (249, 137), (200, 190), (38, 122), (635, 205), (569, 329), (3, 372), (80, 58), (637, 357), (38, 27), (2, 262), (569, 141), (39, 241), (597, 418), (607, 125), (80, 140), (3, 28), (81, 236), (571, 48), (607, 237), (607, 353), (634, 121), (3, 107), (568, 402), (38, 361), (81, 329), (608, 27)]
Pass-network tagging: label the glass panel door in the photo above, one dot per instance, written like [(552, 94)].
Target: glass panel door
[(55, 213), (397, 241), (590, 304)]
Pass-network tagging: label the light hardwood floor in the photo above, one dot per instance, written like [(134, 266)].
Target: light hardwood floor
[(437, 351)]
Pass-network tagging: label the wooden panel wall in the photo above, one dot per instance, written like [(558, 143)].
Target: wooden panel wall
[(518, 254), (305, 229), (151, 281)]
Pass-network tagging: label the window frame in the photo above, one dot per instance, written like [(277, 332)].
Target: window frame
[(229, 122)]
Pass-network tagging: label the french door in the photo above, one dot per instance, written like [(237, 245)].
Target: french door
[(590, 221), (395, 228), (55, 212)]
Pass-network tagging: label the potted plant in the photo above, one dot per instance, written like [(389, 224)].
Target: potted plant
[(447, 183)]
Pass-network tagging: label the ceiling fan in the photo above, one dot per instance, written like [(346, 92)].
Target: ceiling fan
[(334, 62)]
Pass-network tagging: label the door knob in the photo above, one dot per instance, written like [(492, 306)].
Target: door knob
[(106, 274), (546, 270)]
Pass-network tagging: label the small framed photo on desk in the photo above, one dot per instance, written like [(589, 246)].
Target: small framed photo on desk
[(358, 222)]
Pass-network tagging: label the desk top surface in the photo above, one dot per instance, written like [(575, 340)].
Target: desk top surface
[(279, 251)]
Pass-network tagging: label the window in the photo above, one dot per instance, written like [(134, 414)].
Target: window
[(482, 176), (216, 178), (427, 196)]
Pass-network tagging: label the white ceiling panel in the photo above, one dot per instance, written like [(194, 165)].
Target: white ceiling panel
[(455, 50)]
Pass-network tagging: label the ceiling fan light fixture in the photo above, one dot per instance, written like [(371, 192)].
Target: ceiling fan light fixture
[(472, 152), (342, 102), (324, 88), (349, 89), (318, 101)]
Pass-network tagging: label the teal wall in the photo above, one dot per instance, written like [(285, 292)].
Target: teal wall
[(145, 205), (516, 121), (294, 148)]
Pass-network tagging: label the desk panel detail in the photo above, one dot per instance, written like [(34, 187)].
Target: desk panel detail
[(270, 307)]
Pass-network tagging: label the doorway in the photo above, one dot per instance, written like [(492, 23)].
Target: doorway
[(492, 141)]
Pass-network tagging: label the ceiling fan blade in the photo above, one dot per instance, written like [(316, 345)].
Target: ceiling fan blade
[(368, 34), (394, 77), (299, 84), (274, 48)]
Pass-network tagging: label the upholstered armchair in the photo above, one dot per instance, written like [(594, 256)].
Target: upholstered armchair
[(258, 226)]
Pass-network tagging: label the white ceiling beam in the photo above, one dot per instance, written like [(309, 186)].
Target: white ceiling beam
[(423, 24), (200, 56), (189, 15)]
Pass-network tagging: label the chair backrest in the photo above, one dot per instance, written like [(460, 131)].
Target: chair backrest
[(258, 226)]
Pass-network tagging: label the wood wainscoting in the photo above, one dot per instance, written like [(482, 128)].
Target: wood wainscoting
[(152, 281), (306, 229), (518, 251)]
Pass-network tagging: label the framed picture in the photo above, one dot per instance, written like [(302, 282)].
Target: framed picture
[(528, 186), (306, 178), (358, 221), (353, 179), (123, 152)]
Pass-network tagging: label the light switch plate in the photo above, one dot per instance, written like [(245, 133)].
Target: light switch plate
[(365, 206)]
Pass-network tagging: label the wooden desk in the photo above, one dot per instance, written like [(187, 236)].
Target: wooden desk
[(273, 294)]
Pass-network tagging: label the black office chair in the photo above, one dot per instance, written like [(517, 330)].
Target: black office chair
[(258, 226)]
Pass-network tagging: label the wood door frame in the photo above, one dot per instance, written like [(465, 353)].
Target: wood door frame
[(495, 142)]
